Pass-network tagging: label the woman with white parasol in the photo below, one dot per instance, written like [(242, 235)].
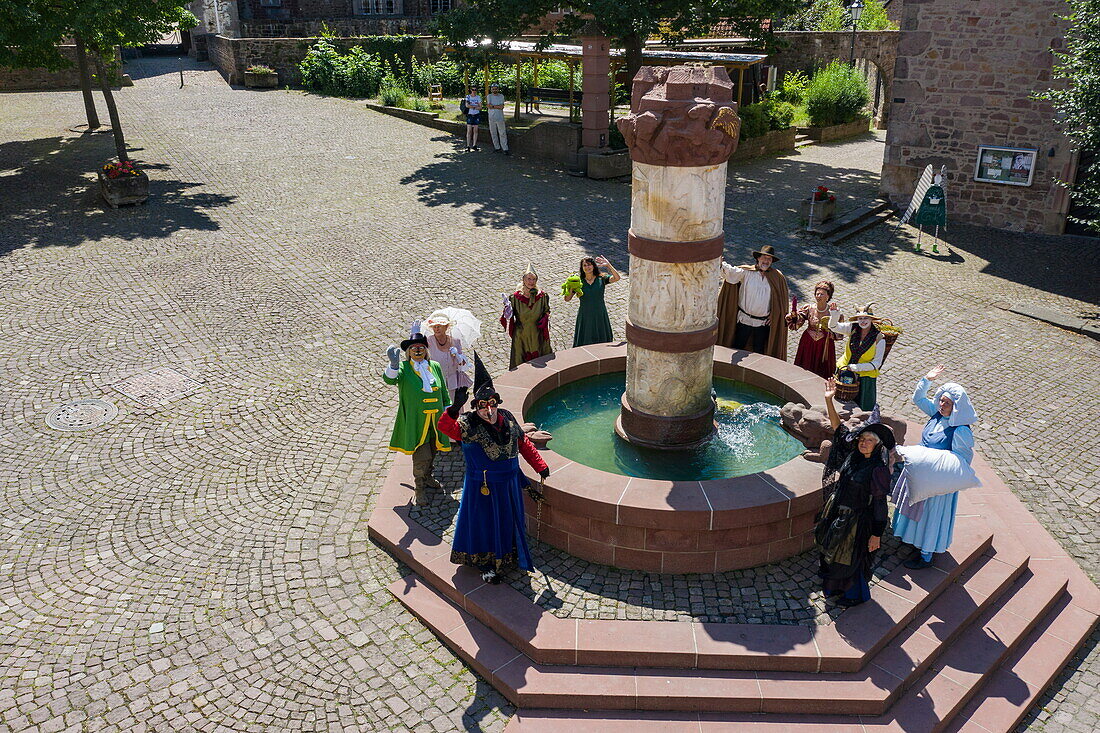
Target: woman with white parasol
[(449, 331)]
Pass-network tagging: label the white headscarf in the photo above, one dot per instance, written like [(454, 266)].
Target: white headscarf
[(963, 412)]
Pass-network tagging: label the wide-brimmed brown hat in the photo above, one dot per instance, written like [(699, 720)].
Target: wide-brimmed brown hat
[(767, 249), (866, 312)]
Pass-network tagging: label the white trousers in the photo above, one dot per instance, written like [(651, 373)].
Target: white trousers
[(498, 132)]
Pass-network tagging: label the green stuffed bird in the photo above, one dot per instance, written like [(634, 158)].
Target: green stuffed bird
[(572, 284)]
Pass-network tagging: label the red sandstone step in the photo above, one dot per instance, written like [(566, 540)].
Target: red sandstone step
[(1012, 690), (841, 647), (868, 692)]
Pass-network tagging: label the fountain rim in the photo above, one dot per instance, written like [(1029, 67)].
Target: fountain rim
[(790, 489)]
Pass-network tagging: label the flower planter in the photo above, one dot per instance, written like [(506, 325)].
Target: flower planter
[(253, 80), (838, 132), (823, 211), (609, 165), (124, 190)]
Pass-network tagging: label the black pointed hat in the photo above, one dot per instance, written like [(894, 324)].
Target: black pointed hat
[(483, 383)]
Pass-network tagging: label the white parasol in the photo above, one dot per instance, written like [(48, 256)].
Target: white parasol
[(464, 326)]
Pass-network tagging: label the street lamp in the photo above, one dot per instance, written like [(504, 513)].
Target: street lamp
[(855, 10)]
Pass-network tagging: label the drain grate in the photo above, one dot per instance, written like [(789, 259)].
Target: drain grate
[(157, 387), (81, 415)]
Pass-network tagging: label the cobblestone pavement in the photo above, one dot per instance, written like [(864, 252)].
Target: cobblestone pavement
[(203, 564)]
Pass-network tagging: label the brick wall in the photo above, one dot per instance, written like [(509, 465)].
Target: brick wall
[(966, 71), (294, 10)]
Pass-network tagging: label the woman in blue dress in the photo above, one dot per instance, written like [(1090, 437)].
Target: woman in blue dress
[(491, 532), (930, 524)]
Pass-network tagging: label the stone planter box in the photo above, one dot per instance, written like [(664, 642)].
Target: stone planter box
[(412, 115), (609, 165), (774, 141), (124, 190), (823, 211), (253, 80), (838, 132)]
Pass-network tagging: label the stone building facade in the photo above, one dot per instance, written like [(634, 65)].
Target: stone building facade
[(966, 76)]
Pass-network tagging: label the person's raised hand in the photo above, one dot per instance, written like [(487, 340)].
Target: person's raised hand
[(458, 401), (394, 355), (830, 388), (834, 307), (935, 372), (602, 261)]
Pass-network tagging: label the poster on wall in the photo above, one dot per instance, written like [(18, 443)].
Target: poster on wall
[(1012, 166)]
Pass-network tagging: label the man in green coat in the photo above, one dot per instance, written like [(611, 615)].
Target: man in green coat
[(421, 398)]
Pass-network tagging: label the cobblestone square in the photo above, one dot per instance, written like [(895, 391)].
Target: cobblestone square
[(203, 564)]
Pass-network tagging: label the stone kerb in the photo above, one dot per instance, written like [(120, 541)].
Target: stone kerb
[(671, 526)]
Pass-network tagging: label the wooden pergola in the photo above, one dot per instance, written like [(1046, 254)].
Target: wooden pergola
[(520, 51)]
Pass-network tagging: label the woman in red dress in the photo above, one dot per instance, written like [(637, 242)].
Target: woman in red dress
[(816, 349)]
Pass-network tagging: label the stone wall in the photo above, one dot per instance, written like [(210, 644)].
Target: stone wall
[(294, 10), (809, 50), (28, 80), (233, 55), (966, 73)]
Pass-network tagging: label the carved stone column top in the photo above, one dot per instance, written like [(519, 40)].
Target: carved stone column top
[(681, 116)]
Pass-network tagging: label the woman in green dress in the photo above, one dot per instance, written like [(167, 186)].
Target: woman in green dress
[(593, 325)]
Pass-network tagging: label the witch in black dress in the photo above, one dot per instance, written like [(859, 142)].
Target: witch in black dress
[(856, 483)]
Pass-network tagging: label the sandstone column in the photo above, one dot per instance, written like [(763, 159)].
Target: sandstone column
[(681, 130), (595, 87)]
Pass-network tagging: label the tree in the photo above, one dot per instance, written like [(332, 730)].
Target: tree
[(31, 30), (833, 15), (629, 23), (1078, 102)]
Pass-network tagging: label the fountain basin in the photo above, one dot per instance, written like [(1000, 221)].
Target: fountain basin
[(670, 526)]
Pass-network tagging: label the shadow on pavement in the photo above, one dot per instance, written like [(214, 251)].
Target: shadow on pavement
[(50, 198)]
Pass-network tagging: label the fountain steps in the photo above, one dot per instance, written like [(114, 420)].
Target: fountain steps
[(945, 655)]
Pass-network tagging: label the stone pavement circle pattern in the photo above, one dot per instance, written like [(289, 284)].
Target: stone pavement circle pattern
[(203, 565)]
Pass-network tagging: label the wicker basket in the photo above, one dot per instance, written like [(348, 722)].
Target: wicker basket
[(847, 386), (889, 336)]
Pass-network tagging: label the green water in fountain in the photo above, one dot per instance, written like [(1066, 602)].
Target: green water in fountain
[(581, 416)]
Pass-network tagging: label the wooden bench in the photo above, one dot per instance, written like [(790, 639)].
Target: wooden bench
[(538, 95)]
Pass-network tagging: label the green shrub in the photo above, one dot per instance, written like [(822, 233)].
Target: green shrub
[(835, 95), (319, 68), (793, 88), (444, 72), (831, 15), (765, 115), (359, 74), (393, 93)]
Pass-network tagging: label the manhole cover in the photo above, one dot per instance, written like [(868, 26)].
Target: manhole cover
[(157, 387), (81, 415)]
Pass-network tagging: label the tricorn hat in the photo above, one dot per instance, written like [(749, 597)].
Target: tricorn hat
[(483, 383), (767, 249), (416, 338)]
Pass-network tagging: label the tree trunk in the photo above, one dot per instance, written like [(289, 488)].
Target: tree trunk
[(86, 85), (112, 110), (632, 48)]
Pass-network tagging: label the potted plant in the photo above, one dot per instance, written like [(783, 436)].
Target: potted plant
[(122, 183), (261, 77), (819, 208)]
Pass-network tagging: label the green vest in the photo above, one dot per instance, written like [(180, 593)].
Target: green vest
[(418, 411)]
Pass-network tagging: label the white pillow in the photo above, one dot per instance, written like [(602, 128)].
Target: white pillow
[(934, 472)]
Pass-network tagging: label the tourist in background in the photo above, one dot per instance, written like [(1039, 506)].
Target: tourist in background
[(526, 318), (929, 525), (752, 306), (490, 531), (421, 397), (593, 324), (497, 130), (864, 350), (445, 349), (816, 349), (856, 482), (473, 117)]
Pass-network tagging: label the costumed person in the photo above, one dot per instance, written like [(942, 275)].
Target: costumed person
[(445, 347), (593, 325), (490, 532), (864, 350), (526, 318), (929, 525), (932, 212), (817, 349), (752, 306), (421, 398), (855, 482)]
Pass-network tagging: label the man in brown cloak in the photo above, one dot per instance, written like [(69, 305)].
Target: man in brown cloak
[(752, 306)]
